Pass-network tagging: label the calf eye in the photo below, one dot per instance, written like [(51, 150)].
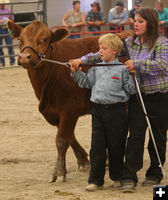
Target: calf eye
[(20, 41), (45, 39)]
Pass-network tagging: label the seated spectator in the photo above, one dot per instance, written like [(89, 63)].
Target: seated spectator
[(74, 19), (95, 18), (162, 14), (118, 15)]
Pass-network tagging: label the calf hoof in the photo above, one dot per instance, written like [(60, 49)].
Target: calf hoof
[(53, 179), (64, 178), (83, 167)]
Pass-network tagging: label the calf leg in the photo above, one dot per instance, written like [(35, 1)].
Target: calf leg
[(80, 153), (63, 139), (60, 167)]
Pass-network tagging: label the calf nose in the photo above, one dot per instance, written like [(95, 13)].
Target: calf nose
[(24, 57)]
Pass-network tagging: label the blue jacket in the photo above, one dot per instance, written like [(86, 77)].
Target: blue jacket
[(109, 85)]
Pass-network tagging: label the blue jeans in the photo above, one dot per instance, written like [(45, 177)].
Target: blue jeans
[(113, 27), (94, 29), (8, 41), (74, 36)]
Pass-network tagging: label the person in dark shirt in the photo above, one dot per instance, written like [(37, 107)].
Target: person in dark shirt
[(95, 18), (137, 6)]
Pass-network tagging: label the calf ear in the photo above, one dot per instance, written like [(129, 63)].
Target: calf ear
[(59, 34), (14, 29)]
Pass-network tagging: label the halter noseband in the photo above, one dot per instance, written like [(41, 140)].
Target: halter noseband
[(40, 56)]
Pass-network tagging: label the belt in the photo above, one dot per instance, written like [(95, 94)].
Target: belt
[(110, 105), (156, 94), (3, 27)]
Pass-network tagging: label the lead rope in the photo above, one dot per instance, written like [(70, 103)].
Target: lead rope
[(66, 64), (82, 65)]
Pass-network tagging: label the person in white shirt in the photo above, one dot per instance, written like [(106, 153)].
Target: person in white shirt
[(118, 16)]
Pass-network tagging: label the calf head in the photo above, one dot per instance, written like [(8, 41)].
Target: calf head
[(35, 40)]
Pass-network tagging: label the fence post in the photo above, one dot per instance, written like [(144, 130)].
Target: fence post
[(45, 11), (42, 12)]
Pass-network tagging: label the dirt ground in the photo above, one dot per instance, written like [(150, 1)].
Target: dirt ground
[(28, 152)]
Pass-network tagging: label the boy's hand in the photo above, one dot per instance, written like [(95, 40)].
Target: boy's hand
[(73, 69), (130, 66), (74, 64)]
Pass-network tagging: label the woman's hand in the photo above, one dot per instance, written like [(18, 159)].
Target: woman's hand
[(130, 66)]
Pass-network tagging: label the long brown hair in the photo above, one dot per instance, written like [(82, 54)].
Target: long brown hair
[(152, 29)]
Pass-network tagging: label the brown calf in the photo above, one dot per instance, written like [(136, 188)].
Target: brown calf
[(61, 101)]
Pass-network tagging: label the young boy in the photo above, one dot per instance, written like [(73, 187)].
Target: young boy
[(110, 88)]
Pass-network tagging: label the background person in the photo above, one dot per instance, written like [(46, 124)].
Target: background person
[(162, 15), (95, 18), (75, 19), (137, 6), (110, 89), (4, 34), (118, 15)]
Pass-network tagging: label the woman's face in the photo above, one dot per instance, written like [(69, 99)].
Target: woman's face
[(140, 25), (159, 8), (77, 6)]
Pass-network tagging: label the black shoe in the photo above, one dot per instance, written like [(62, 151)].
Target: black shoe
[(150, 181), (128, 186)]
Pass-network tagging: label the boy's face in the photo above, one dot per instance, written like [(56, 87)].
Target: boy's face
[(107, 54)]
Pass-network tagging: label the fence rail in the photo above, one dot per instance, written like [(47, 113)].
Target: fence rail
[(123, 27)]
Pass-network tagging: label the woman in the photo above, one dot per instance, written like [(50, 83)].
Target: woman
[(149, 58), (74, 19), (162, 12)]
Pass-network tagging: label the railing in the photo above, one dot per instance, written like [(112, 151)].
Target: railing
[(106, 26), (84, 32)]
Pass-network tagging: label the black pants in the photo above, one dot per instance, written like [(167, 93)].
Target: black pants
[(157, 110), (109, 132)]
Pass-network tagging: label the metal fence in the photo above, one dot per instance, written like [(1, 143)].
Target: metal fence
[(23, 12), (105, 29)]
